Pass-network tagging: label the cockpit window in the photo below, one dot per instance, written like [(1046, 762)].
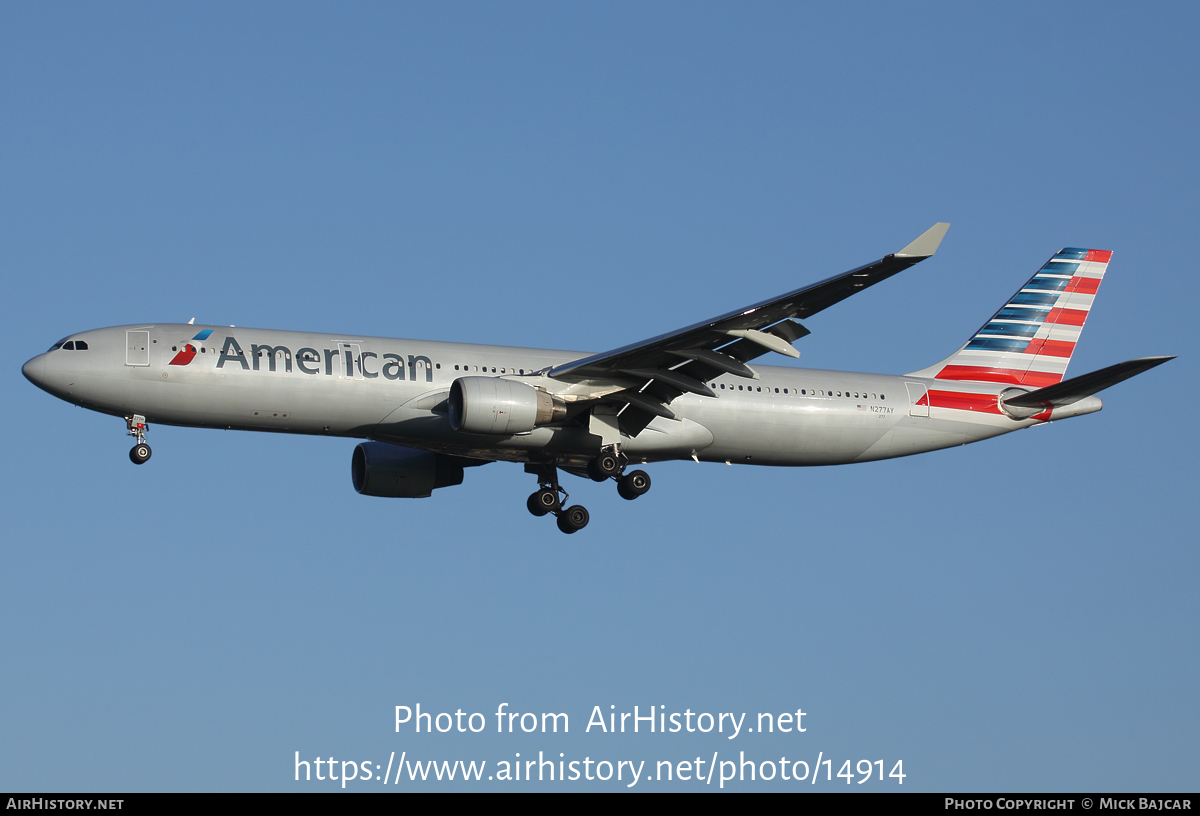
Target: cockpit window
[(56, 346), (69, 345), (80, 345)]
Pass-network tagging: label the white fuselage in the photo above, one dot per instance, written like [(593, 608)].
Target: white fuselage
[(394, 390)]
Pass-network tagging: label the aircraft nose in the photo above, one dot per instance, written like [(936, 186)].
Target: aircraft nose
[(34, 370)]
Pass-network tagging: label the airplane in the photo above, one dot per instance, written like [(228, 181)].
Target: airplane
[(428, 410)]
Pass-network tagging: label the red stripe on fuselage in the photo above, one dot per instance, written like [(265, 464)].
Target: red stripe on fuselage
[(1003, 375), (965, 402)]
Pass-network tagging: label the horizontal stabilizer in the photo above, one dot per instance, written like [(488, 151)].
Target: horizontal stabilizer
[(1077, 388)]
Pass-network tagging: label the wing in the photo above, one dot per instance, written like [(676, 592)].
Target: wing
[(652, 373)]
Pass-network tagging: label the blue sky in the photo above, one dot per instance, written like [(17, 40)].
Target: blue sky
[(1018, 614)]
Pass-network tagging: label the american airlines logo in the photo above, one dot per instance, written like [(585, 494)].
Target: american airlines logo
[(348, 360), (188, 352)]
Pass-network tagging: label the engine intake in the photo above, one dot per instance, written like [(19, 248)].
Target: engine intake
[(390, 471), (490, 405)]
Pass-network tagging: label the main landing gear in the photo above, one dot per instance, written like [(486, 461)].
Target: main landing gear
[(139, 454), (610, 464), (633, 484), (550, 498)]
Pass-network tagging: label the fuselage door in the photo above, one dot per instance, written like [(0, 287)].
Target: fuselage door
[(137, 348), (918, 399)]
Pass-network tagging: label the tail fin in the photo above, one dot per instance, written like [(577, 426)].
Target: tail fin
[(1031, 339)]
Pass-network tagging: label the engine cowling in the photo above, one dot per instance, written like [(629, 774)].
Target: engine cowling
[(390, 471), (489, 405)]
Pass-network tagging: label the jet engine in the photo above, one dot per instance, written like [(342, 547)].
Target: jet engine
[(490, 405), (380, 469)]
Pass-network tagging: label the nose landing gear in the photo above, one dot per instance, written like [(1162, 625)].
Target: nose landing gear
[(139, 454), (550, 498)]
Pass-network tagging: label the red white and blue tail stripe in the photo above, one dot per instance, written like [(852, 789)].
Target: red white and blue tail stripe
[(1030, 340)]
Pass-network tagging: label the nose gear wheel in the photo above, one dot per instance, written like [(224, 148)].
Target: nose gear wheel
[(136, 427)]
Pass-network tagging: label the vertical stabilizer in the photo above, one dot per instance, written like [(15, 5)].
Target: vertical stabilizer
[(1030, 340)]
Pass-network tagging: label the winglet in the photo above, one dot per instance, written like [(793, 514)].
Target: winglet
[(927, 243)]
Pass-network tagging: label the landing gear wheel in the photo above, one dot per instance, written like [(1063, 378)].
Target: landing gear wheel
[(139, 453), (573, 519), (542, 502), (605, 466), (633, 484)]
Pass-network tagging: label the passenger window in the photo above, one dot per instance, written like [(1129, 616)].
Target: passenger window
[(785, 390), (882, 397), (776, 390)]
